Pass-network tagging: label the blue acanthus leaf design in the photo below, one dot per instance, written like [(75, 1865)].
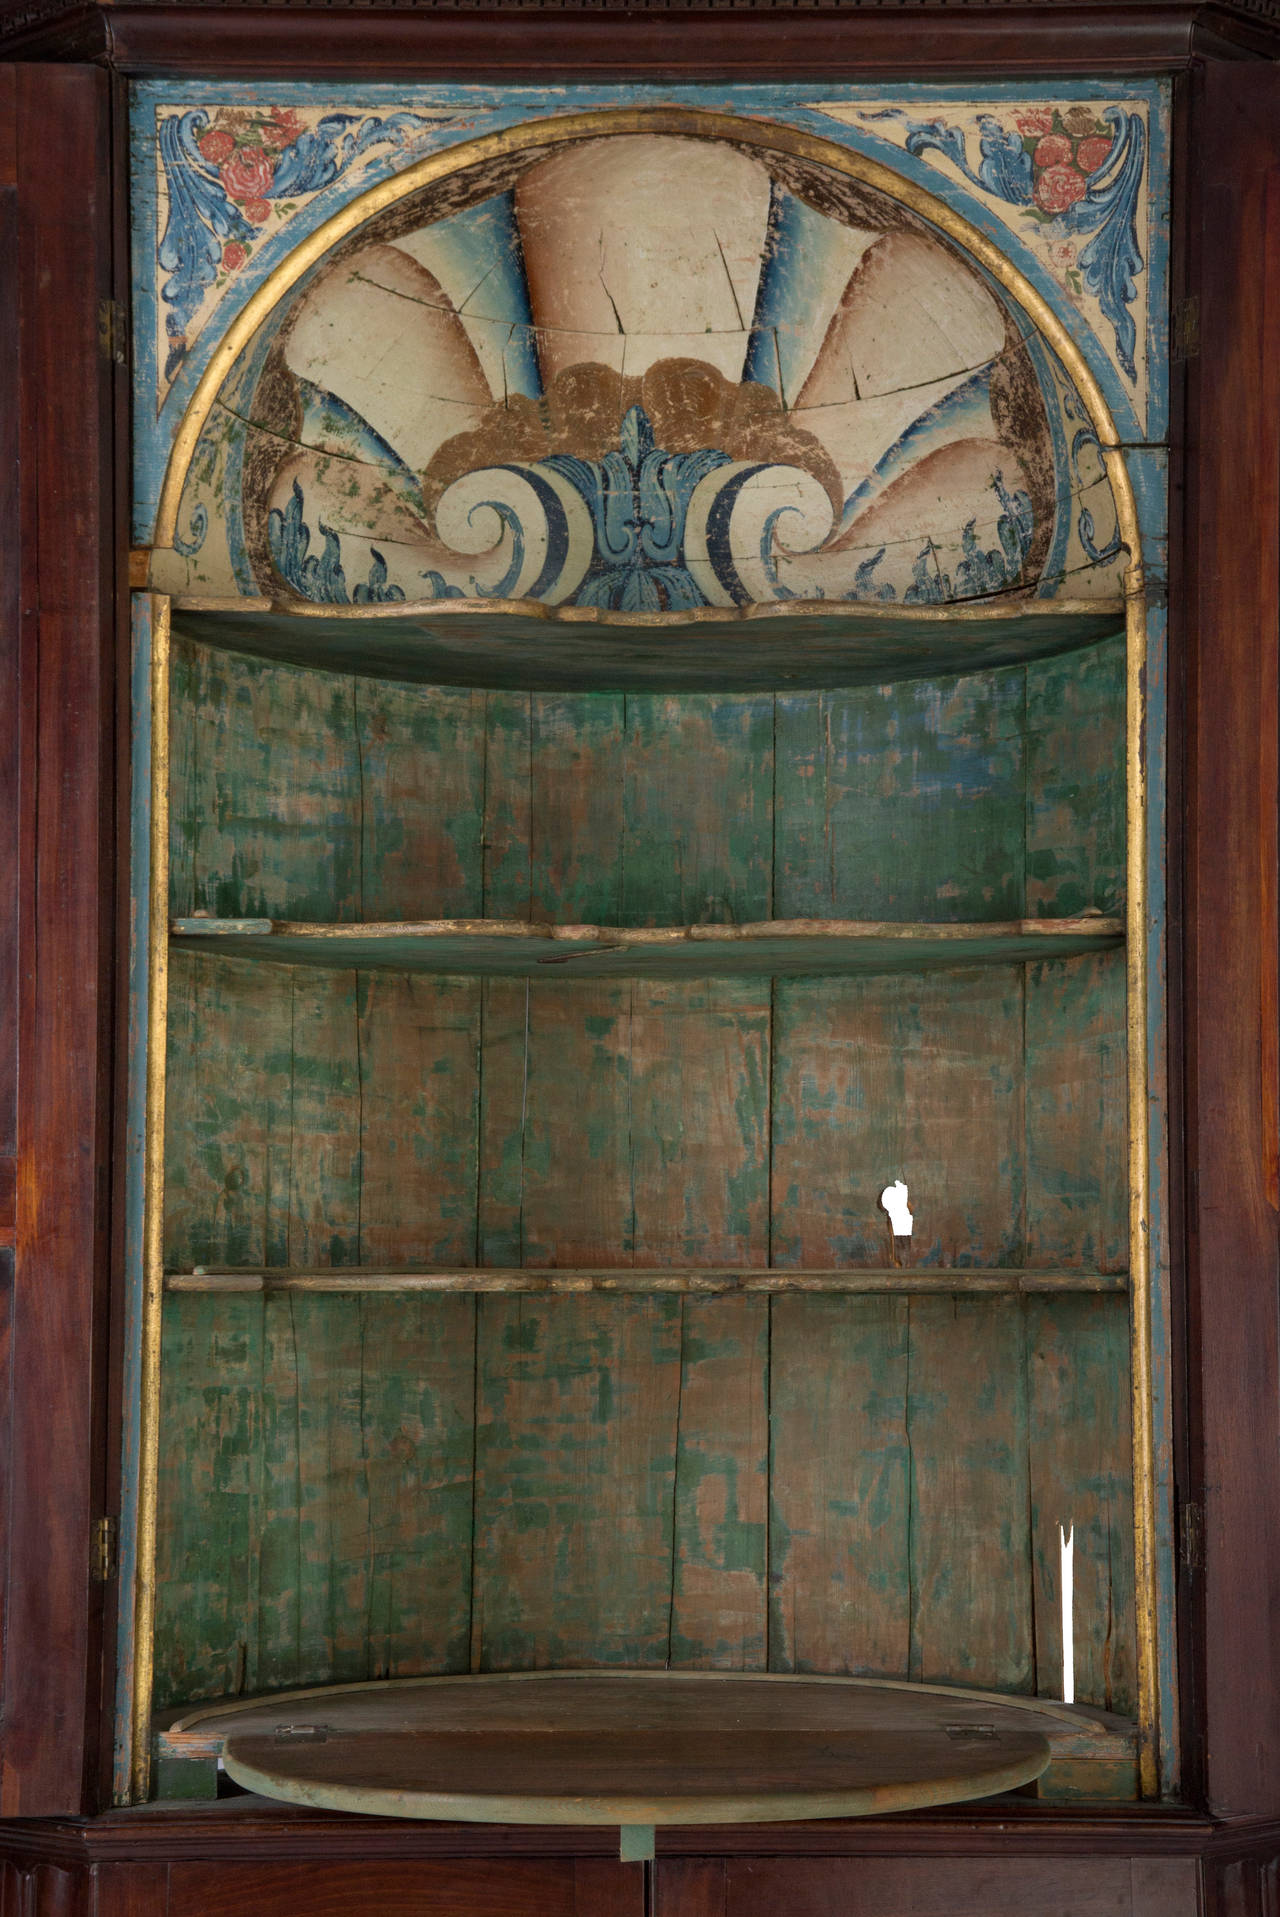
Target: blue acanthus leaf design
[(641, 529), (320, 577), (189, 547), (319, 155), (638, 497), (1085, 526), (1112, 260), (1107, 208), (203, 217), (1004, 166)]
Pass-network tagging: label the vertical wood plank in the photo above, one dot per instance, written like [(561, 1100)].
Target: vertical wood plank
[(268, 799), (277, 1654), (719, 1591), (902, 801), (324, 1136), (699, 1121), (970, 1542), (575, 822), (418, 1389), (865, 1092), (578, 1206), (699, 809), (211, 1415), (577, 1403), (508, 794), (420, 765), (1075, 782), (840, 1462), (418, 1042), (228, 1113), (1077, 1191), (504, 1055), (1081, 1476), (332, 1507)]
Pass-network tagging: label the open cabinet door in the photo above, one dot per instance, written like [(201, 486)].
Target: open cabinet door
[(1231, 1543), (58, 357)]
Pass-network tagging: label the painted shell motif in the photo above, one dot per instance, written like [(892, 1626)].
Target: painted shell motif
[(647, 373)]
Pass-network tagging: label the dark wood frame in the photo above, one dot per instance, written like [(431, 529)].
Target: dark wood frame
[(63, 932)]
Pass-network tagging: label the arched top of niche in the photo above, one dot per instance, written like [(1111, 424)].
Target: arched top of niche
[(643, 373)]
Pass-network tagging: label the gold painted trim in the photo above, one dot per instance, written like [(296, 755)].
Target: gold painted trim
[(1141, 1385), (144, 1600), (767, 135)]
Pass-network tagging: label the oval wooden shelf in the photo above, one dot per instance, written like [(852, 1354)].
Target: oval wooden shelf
[(629, 1747), (522, 645), (711, 1282), (773, 948)]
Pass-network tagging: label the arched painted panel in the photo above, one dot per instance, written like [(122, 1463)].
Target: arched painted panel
[(648, 372)]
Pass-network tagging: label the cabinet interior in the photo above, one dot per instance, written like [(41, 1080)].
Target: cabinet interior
[(763, 1434)]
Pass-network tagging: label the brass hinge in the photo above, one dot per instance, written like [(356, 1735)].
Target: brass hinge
[(103, 1550), (1184, 342), (113, 332), (1191, 1536)]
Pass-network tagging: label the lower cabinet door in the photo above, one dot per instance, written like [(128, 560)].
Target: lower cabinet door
[(929, 1887)]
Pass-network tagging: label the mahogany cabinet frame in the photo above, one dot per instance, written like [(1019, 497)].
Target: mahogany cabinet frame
[(64, 920)]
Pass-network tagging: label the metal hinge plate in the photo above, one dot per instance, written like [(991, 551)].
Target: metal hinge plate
[(1191, 1536), (103, 1551), (113, 332), (1184, 340)]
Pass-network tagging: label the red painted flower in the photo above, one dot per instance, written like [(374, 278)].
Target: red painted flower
[(1091, 154), (1056, 150), (247, 175), (1037, 120), (1059, 187), (259, 211), (234, 256), (282, 129), (217, 145)]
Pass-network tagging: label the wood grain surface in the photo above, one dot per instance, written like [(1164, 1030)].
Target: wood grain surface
[(633, 1747)]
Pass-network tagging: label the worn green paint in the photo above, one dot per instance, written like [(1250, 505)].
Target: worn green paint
[(575, 1461), (1075, 827), (514, 948), (720, 1561), (357, 1486), (839, 1485), (902, 802), (1076, 1121), (316, 1502), (1080, 1472), (506, 645), (970, 1545), (864, 1093), (318, 795)]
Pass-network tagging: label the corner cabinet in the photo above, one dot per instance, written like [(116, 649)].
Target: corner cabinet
[(656, 1067)]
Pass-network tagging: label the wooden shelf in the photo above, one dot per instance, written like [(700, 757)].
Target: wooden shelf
[(512, 948), (763, 648), (630, 1748), (712, 1281)]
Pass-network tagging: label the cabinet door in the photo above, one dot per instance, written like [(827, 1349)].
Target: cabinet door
[(553, 1887), (58, 378), (1229, 612), (930, 1887)]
